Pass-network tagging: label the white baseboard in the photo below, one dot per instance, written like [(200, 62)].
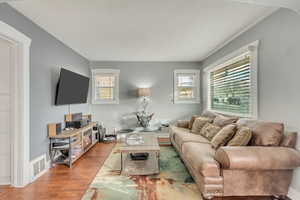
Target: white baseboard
[(47, 167), (41, 173), (5, 180), (293, 194)]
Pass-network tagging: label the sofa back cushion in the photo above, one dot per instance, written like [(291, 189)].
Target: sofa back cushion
[(241, 138), (223, 136), (192, 121), (209, 114), (263, 133), (222, 121), (289, 140), (210, 130), (199, 123)]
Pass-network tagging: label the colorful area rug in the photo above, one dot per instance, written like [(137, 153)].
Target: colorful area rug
[(173, 183)]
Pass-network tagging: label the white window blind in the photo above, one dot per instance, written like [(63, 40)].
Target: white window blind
[(105, 86), (186, 86), (230, 86)]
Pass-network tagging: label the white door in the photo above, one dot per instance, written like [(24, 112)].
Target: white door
[(5, 147)]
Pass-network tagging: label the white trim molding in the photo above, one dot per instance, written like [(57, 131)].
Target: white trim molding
[(290, 4), (39, 161), (112, 72), (253, 49), (20, 46), (196, 74)]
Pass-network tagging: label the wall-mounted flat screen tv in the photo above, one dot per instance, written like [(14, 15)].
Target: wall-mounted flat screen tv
[(72, 88)]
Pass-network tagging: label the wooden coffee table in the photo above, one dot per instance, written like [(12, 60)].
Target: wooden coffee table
[(141, 167)]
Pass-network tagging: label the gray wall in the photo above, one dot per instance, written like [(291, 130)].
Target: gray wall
[(47, 56), (278, 72), (158, 76)]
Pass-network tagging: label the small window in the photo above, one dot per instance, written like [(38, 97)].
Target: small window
[(105, 86), (186, 86)]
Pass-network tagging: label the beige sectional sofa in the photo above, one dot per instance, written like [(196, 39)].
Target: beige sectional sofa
[(240, 170)]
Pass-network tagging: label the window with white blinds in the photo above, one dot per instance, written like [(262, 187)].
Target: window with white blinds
[(105, 86), (187, 86), (230, 86)]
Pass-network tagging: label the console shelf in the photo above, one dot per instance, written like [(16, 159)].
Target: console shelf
[(75, 143)]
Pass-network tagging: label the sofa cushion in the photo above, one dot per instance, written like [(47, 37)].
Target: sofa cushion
[(289, 140), (200, 157), (222, 121), (209, 131), (223, 136), (263, 133), (192, 120), (182, 137), (209, 114), (241, 138), (175, 129), (199, 123)]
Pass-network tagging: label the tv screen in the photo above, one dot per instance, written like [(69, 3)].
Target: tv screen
[(72, 88)]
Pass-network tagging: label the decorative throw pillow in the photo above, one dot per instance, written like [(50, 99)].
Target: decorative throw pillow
[(241, 138), (192, 121), (222, 121), (267, 134), (289, 140), (223, 136), (209, 131), (264, 133), (199, 123), (202, 131)]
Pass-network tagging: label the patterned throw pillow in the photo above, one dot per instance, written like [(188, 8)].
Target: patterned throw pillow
[(241, 138), (199, 123), (209, 131), (223, 136), (192, 120)]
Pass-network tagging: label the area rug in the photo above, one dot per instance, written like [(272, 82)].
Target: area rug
[(173, 183)]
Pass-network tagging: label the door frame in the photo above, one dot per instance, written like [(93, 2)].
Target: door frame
[(19, 109)]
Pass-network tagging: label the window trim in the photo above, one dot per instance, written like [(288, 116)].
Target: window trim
[(253, 49), (196, 100), (116, 73)]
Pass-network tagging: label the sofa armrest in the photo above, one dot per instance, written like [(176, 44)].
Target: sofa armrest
[(258, 158), (183, 123)]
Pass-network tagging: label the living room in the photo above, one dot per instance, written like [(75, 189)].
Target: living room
[(164, 99)]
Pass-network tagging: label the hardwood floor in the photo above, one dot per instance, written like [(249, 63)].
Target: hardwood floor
[(62, 183)]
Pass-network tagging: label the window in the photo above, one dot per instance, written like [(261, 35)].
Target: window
[(105, 86), (186, 86), (233, 85)]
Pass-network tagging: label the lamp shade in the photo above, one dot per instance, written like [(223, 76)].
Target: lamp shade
[(144, 92)]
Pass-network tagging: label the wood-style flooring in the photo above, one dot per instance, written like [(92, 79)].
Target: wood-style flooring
[(63, 183)]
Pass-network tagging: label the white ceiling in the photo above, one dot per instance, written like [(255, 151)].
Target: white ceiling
[(142, 30)]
